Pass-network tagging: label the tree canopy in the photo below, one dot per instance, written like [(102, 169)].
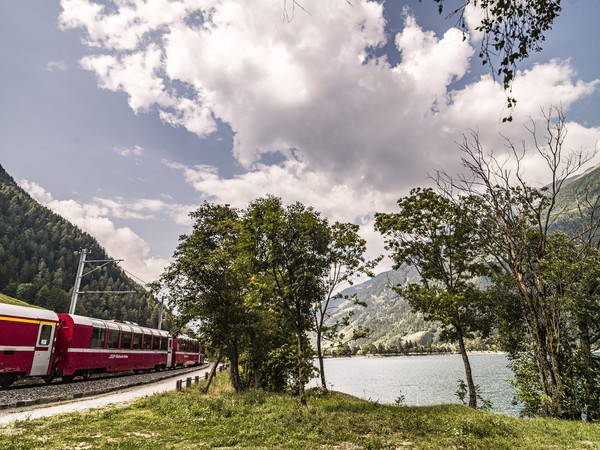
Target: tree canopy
[(252, 279), (433, 234)]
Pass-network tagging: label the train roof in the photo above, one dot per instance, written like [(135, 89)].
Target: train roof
[(26, 312), (88, 321)]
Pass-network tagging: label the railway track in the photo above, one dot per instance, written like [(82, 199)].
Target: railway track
[(32, 392)]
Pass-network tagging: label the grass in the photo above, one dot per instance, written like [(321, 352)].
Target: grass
[(223, 419), (14, 301)]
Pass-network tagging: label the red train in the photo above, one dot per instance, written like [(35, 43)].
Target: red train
[(38, 342)]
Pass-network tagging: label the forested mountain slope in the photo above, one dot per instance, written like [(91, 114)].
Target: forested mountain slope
[(39, 255), (577, 198), (387, 315)]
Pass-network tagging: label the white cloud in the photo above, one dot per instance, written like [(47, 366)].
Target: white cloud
[(293, 182), (355, 132), (119, 242), (56, 65), (125, 152), (306, 84)]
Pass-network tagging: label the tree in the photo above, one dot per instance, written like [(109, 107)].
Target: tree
[(205, 282), (431, 234), (512, 29), (290, 248), (346, 260), (513, 223)]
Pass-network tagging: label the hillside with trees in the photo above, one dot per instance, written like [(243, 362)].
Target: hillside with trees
[(39, 255), (391, 320)]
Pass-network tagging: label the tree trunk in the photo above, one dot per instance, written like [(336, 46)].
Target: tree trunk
[(546, 357), (301, 392), (213, 370), (547, 362), (234, 371), (468, 374), (592, 396), (255, 365), (321, 362)]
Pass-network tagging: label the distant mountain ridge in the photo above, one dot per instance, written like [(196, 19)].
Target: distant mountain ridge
[(389, 317), (39, 255)]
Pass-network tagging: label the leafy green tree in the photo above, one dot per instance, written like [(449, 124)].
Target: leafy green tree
[(205, 281), (431, 234), (290, 248), (26, 292), (539, 309)]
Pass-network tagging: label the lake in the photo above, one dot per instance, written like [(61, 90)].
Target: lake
[(422, 380)]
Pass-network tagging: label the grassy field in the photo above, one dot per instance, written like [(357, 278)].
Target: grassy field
[(223, 419), (14, 301)]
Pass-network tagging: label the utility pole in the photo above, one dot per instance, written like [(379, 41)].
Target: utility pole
[(80, 275), (162, 302), (84, 252)]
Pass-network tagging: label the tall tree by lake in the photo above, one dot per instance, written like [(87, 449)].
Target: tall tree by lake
[(431, 234), (539, 312)]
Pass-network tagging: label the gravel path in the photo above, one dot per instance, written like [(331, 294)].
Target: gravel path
[(7, 416), (27, 396)]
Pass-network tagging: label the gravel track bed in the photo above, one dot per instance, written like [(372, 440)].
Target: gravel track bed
[(58, 391)]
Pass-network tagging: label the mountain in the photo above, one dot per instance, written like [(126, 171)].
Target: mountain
[(389, 317), (39, 255), (580, 193)]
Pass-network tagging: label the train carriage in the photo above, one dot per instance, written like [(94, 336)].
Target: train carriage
[(85, 346), (26, 342), (187, 352)]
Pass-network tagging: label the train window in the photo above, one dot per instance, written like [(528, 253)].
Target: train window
[(147, 341), (98, 336), (163, 343), (113, 338), (126, 340), (45, 335), (137, 341), (155, 342)]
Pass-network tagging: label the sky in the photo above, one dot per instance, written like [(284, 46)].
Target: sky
[(123, 116)]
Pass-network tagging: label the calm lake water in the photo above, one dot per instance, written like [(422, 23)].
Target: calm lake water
[(423, 380)]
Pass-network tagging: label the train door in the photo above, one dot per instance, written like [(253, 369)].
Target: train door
[(43, 350), (170, 352)]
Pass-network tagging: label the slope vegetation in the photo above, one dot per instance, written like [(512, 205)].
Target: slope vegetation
[(39, 255)]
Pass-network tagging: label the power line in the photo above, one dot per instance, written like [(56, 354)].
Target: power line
[(80, 275)]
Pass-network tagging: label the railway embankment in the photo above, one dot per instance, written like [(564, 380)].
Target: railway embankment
[(30, 394)]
